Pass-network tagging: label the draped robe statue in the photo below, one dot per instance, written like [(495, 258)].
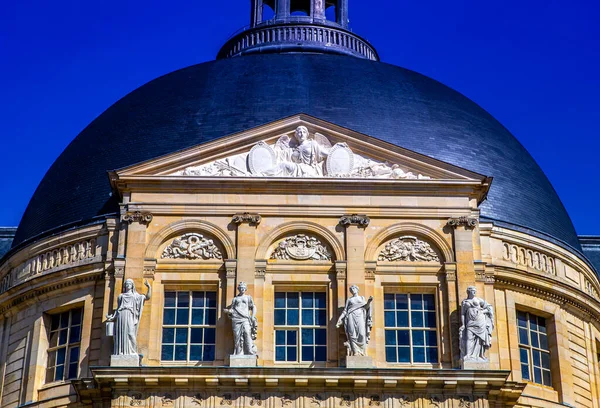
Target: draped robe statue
[(244, 323), (357, 320), (477, 324), (127, 318)]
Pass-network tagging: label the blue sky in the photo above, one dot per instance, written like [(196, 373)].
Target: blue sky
[(534, 65)]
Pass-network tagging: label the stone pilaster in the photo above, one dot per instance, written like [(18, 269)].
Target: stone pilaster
[(336, 348), (355, 225)]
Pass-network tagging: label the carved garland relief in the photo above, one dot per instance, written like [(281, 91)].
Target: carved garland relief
[(410, 249), (301, 247), (527, 257), (303, 155), (192, 246)]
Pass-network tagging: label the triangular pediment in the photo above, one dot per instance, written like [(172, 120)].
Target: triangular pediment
[(299, 147)]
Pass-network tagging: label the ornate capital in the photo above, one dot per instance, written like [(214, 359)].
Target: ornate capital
[(143, 217), (230, 268), (340, 270), (252, 219), (468, 222), (360, 220)]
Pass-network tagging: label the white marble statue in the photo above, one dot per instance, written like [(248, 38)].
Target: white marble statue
[(477, 324), (357, 321), (303, 155), (127, 318), (242, 313)]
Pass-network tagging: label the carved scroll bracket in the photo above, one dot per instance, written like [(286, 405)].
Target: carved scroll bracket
[(370, 269), (340, 270), (149, 268), (450, 268), (230, 268), (468, 222), (260, 268), (119, 268), (250, 218), (360, 220), (142, 217)]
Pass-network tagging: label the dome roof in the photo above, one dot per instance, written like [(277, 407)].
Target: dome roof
[(211, 100)]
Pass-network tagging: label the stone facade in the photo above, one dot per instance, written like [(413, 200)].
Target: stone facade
[(399, 240)]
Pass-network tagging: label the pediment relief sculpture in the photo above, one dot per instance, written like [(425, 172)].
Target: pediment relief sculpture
[(192, 246), (301, 247), (303, 156), (410, 249)]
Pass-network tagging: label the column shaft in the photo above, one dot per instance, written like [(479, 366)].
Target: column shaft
[(283, 9)]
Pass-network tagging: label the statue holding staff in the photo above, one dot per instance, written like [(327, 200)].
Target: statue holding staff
[(357, 321)]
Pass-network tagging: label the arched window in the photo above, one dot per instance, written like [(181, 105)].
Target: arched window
[(267, 13), (300, 7), (331, 10)]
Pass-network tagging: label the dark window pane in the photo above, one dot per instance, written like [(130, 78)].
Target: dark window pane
[(390, 338), (402, 319), (534, 339), (169, 316), (197, 316), (55, 322), (279, 353), (537, 361), (321, 317), (183, 299), (58, 374), (72, 371), (525, 372), (524, 355), (62, 337), (546, 360), (168, 336), (522, 319), (280, 337), (320, 300), (64, 320), (209, 353), (533, 322), (320, 336), (308, 353), (196, 336), (51, 358), (388, 301), (308, 336), (547, 378), (209, 336), (403, 354), (419, 354), (320, 353), (431, 338), (430, 319), (542, 325), (292, 340), (280, 317), (75, 334), (307, 300), (292, 300), (211, 301), (74, 355), (182, 316), (60, 356), (292, 317), (280, 300), (211, 316), (195, 353), (181, 336), (308, 317), (432, 355), (544, 342), (292, 354), (417, 319), (537, 375), (523, 338), (167, 353), (403, 337), (418, 337), (416, 302), (169, 299), (390, 320), (53, 341), (402, 302), (181, 353), (429, 302), (197, 299), (390, 355), (76, 317)]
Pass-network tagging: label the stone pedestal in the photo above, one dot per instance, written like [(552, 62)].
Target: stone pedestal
[(243, 361), (474, 365), (359, 362), (124, 361)]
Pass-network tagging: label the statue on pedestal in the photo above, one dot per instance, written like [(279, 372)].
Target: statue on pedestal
[(477, 324), (244, 323), (357, 321), (127, 318)]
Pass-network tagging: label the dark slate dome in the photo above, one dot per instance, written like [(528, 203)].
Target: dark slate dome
[(211, 100)]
